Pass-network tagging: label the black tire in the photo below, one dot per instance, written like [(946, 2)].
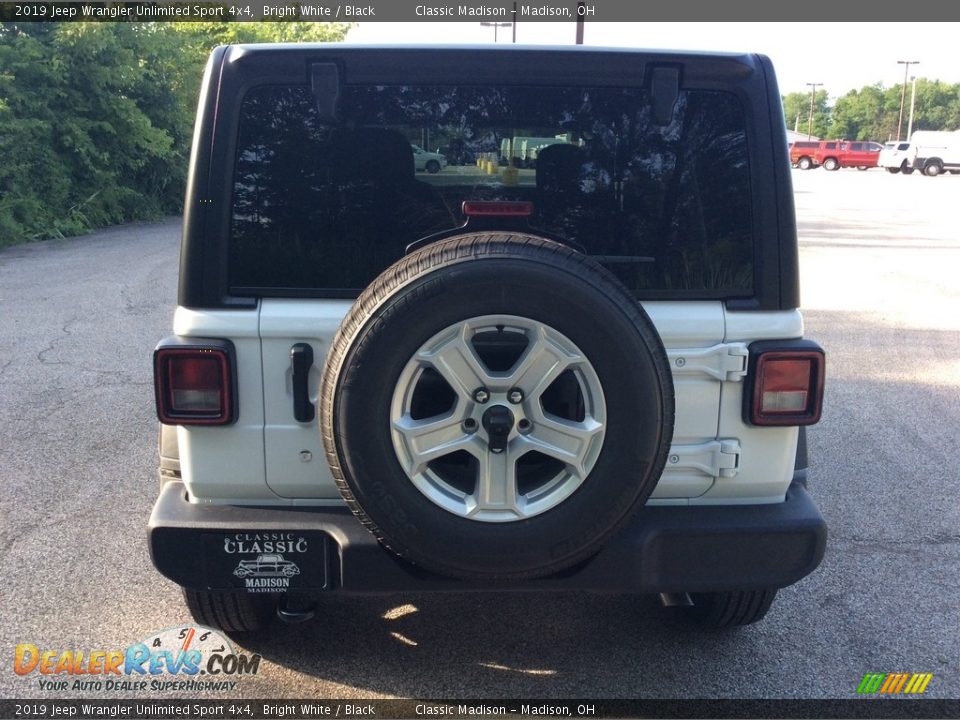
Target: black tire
[(831, 164), (731, 609), (893, 170), (862, 167), (231, 611), (906, 169), (932, 168), (804, 163), (433, 167), (452, 282)]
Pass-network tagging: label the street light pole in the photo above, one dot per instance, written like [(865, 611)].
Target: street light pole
[(496, 25), (903, 93), (913, 100), (813, 92)]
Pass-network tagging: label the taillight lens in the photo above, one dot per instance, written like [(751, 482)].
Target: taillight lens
[(193, 385), (787, 387)]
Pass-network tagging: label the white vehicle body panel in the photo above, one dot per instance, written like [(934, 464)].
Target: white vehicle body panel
[(421, 157), (227, 462), (895, 154), (268, 458), (942, 145)]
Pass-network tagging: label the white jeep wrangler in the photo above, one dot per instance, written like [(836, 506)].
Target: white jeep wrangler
[(587, 375)]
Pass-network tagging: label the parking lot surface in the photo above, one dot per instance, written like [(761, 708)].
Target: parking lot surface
[(880, 258)]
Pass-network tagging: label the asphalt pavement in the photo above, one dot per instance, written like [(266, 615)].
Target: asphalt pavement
[(880, 257)]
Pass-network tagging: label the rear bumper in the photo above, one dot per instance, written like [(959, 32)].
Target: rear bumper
[(663, 549)]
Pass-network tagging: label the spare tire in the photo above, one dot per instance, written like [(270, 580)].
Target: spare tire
[(496, 406)]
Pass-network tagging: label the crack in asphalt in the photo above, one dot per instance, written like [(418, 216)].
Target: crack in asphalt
[(919, 546), (53, 343)]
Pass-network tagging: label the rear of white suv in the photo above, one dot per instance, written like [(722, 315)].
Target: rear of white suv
[(588, 374)]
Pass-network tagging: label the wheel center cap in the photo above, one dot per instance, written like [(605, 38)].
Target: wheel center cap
[(498, 422)]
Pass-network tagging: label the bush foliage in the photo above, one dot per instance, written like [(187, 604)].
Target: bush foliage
[(96, 118)]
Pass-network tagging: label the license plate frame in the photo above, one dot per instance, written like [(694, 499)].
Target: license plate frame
[(267, 561)]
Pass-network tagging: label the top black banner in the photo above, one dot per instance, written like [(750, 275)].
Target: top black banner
[(473, 11)]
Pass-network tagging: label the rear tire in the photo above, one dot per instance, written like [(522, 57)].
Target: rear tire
[(932, 169), (893, 170), (433, 167), (230, 611), (731, 609)]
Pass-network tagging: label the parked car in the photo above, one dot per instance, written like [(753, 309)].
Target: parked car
[(424, 160), (835, 154), (897, 157), (803, 154)]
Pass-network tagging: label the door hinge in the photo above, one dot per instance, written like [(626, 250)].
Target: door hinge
[(717, 458), (726, 362)]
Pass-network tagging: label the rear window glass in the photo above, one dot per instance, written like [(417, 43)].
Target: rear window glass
[(322, 208)]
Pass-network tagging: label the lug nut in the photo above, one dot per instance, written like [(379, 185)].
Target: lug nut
[(470, 425), (524, 425), (515, 396), (481, 395)]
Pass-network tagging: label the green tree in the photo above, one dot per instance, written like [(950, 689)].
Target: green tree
[(863, 115), (937, 106), (796, 111), (96, 118)]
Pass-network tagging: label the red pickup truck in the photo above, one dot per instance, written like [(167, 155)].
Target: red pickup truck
[(834, 154)]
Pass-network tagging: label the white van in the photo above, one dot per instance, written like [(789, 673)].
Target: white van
[(935, 151), (525, 149)]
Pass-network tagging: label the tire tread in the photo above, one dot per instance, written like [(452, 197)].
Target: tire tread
[(434, 257), (229, 611), (732, 609)]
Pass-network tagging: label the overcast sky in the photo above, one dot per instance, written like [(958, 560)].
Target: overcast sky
[(843, 56)]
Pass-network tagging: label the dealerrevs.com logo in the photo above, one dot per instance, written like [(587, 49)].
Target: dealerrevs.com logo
[(189, 658)]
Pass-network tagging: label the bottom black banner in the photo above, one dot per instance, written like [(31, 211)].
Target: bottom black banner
[(402, 709)]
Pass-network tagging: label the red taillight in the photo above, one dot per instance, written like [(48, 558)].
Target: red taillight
[(193, 386), (497, 208), (787, 388)]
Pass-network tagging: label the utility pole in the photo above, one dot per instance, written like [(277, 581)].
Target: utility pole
[(903, 92), (813, 93), (913, 100), (496, 25)]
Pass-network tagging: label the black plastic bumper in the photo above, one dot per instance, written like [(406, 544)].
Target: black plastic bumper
[(663, 549)]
